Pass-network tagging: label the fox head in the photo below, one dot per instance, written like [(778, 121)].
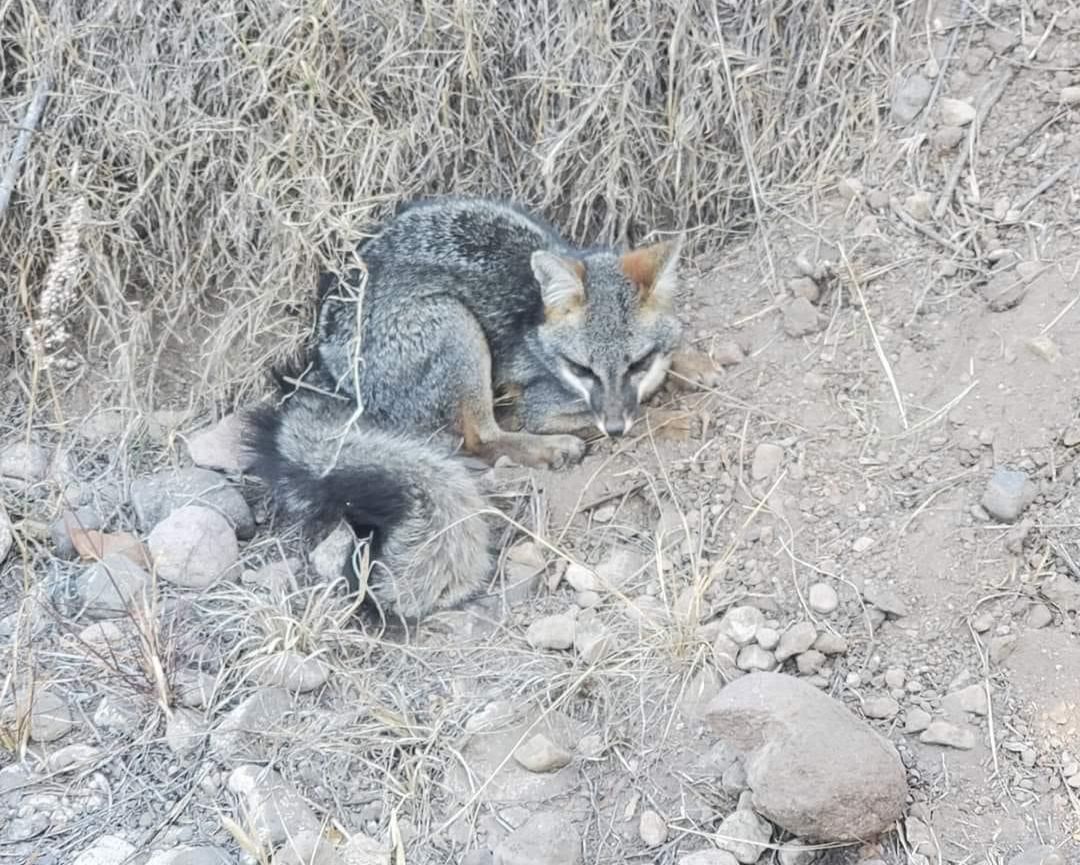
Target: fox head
[(609, 328)]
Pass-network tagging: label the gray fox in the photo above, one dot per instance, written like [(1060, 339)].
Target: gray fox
[(460, 300)]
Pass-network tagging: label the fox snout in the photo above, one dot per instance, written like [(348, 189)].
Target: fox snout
[(617, 408)]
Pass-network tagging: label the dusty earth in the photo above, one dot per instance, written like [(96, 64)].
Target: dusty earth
[(881, 359)]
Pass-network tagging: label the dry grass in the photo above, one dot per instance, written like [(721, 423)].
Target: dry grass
[(225, 156)]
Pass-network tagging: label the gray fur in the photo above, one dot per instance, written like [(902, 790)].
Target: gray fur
[(462, 297), (435, 550), (448, 275)]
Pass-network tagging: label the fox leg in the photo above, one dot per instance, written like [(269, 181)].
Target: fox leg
[(474, 412)]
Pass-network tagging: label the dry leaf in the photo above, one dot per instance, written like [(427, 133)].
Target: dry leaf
[(92, 544)]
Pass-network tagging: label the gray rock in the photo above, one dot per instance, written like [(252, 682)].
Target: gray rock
[(801, 318), (246, 733), (540, 754), (106, 850), (917, 720), (581, 578), (48, 714), (191, 856), (551, 632), (193, 546), (959, 704), (1008, 492), (156, 496), (768, 638), (1062, 592), (768, 458), (741, 624), (546, 839), (117, 713), (275, 810), (753, 658), (796, 640), (960, 736), (829, 643), (745, 835), (885, 599), (14, 777), (220, 446), (823, 599), (810, 663), (910, 98), (109, 587), (332, 555), (185, 731), (815, 769), (291, 671), (23, 461), (880, 708)]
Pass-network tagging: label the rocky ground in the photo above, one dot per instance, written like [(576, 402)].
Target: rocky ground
[(825, 612)]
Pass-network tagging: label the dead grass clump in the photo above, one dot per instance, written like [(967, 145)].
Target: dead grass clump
[(225, 153)]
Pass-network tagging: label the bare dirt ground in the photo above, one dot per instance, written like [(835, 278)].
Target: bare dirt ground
[(928, 349)]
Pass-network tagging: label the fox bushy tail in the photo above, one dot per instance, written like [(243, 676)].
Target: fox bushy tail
[(422, 506)]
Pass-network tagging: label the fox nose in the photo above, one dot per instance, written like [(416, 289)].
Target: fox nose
[(614, 426)]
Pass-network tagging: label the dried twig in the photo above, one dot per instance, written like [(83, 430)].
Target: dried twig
[(993, 94), (22, 142)]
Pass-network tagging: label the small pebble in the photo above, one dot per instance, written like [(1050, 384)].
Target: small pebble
[(796, 640), (881, 708), (810, 663), (539, 754), (823, 598), (917, 720), (960, 736), (741, 624), (753, 658), (768, 638)]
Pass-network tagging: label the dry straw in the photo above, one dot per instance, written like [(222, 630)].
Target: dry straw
[(231, 150)]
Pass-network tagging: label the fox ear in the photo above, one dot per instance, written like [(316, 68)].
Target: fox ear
[(561, 279), (654, 270)]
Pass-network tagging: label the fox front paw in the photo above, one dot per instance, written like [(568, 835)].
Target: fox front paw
[(561, 451), (690, 369)]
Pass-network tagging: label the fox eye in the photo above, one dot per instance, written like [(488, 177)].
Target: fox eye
[(642, 363), (579, 370)]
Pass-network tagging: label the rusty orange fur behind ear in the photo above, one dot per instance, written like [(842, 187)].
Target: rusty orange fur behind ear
[(653, 270)]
